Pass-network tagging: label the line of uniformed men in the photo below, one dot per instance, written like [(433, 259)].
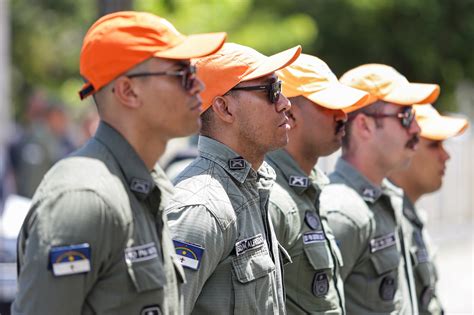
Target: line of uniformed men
[(251, 226)]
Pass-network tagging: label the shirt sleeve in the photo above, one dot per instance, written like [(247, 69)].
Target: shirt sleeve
[(73, 218), (197, 226), (351, 239)]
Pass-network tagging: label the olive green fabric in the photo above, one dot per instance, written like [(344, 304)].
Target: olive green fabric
[(220, 201), (294, 209), (365, 221), (102, 195), (424, 268)]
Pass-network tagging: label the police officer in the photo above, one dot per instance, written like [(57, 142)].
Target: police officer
[(361, 207), (96, 240), (313, 283), (219, 215), (423, 176)]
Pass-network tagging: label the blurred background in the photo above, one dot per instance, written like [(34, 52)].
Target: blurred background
[(42, 119)]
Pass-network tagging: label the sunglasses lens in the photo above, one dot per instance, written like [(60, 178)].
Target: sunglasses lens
[(275, 92), (189, 77), (408, 117)]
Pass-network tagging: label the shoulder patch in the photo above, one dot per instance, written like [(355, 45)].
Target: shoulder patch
[(70, 260), (189, 255)]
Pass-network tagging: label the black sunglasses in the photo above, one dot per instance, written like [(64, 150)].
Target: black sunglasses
[(188, 75), (273, 89), (406, 116)]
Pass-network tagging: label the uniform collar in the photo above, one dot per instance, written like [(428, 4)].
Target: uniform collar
[(409, 211), (359, 182), (232, 162), (134, 169), (294, 175)]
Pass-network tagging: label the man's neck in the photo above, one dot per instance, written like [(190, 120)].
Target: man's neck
[(410, 191), (306, 163), (374, 174)]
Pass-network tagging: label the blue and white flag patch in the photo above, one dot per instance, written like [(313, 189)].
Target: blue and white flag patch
[(70, 260), (189, 255)]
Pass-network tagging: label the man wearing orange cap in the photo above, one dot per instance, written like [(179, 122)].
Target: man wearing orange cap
[(362, 208), (423, 176), (312, 281), (219, 219), (96, 239)]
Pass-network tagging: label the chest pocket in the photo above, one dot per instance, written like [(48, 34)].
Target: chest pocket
[(252, 282), (382, 289), (147, 275)]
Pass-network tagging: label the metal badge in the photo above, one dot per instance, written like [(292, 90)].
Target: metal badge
[(387, 288), (312, 220), (298, 181), (368, 194), (425, 297), (151, 310), (140, 186), (236, 164), (320, 284)]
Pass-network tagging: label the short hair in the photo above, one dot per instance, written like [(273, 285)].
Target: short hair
[(374, 108), (207, 122)]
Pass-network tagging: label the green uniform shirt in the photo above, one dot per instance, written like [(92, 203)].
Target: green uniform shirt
[(98, 213), (312, 282), (364, 220), (223, 236), (424, 269)]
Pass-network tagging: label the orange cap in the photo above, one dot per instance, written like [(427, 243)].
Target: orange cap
[(384, 83), (121, 40), (236, 63), (311, 77), (435, 126)]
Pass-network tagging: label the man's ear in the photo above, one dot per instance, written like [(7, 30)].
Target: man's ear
[(365, 126), (125, 91), (222, 107)]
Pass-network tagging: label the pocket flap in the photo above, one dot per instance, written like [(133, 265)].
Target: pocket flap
[(147, 275), (319, 255), (253, 265), (386, 260)]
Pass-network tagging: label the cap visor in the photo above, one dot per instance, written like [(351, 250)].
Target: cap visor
[(413, 93), (274, 63), (195, 46), (442, 127), (338, 96)]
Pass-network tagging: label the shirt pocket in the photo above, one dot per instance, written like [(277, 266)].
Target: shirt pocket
[(147, 275), (382, 288), (314, 279), (424, 279), (253, 281)]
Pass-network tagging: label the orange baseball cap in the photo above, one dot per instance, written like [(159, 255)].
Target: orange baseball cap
[(311, 77), (435, 126), (118, 41), (384, 83), (236, 63)]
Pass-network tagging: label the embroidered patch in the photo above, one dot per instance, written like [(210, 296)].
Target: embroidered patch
[(312, 220), (422, 255), (70, 260), (298, 181), (313, 237), (151, 310), (140, 185), (236, 164), (141, 253), (189, 255), (368, 194), (382, 242), (248, 244)]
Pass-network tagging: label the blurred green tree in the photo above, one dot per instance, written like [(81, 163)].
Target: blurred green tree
[(427, 40)]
